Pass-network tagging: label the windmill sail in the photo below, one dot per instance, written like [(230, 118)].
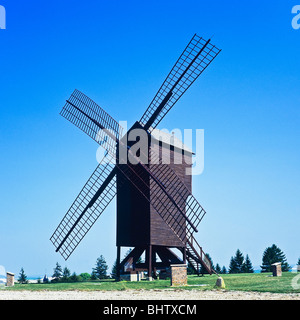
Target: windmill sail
[(178, 190), (196, 57), (96, 195), (93, 120)]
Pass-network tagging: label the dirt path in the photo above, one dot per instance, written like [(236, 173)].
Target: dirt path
[(144, 295)]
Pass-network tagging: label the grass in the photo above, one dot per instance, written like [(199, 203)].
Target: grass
[(258, 282)]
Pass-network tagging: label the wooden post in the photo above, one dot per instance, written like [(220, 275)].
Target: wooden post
[(183, 250), (149, 261), (118, 262)]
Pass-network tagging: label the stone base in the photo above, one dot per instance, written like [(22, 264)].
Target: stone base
[(178, 275), (10, 279), (276, 269)]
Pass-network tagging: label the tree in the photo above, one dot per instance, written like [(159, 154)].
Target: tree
[(45, 279), (74, 277), (239, 258), (272, 255), (223, 271), (247, 266), (236, 263), (218, 268), (66, 274), (85, 276), (202, 269), (101, 268), (233, 268), (57, 272), (298, 265), (22, 277), (114, 270), (93, 275), (190, 269)]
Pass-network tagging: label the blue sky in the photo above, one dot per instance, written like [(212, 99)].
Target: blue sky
[(118, 53)]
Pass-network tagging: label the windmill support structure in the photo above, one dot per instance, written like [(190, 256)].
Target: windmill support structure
[(150, 265)]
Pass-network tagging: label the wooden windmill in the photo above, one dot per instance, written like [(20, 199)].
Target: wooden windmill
[(156, 210)]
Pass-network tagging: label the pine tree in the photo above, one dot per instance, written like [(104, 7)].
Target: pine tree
[(66, 274), (22, 277), (272, 255), (218, 268), (74, 277), (114, 270), (298, 265), (57, 272), (236, 263), (93, 275), (233, 268), (247, 266), (101, 268), (223, 271), (139, 260), (239, 258)]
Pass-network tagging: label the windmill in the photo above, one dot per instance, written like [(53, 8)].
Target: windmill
[(156, 211)]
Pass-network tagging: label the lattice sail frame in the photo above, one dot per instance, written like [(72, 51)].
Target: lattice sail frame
[(196, 57), (85, 210), (89, 117)]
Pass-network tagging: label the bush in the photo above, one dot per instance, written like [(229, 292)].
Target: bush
[(85, 276), (75, 278)]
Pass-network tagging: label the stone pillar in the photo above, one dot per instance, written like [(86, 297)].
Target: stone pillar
[(178, 274), (10, 279), (276, 268)]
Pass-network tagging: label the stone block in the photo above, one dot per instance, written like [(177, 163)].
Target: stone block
[(178, 275)]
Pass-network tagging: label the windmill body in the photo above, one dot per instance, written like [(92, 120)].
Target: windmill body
[(138, 223), (156, 210)]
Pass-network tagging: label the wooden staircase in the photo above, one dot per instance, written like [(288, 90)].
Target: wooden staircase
[(196, 257)]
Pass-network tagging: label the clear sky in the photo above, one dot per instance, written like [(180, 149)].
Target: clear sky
[(118, 53)]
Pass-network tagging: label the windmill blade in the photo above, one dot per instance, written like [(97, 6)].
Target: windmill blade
[(177, 189), (93, 120), (98, 192), (196, 57)]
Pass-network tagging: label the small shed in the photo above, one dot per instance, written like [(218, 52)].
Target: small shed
[(276, 269)]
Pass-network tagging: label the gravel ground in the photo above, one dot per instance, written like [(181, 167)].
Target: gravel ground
[(145, 295)]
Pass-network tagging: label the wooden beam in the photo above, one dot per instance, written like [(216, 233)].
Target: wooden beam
[(118, 262)]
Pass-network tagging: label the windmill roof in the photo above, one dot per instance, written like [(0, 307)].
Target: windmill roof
[(169, 139)]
